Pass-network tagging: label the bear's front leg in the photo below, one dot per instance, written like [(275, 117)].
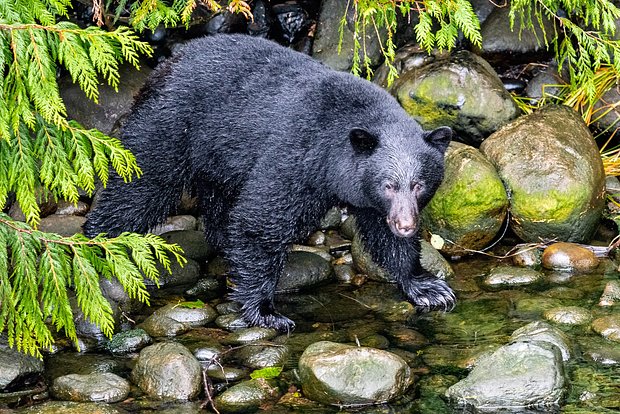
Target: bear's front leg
[(401, 258)]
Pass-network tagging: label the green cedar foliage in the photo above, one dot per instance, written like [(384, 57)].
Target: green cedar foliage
[(583, 39), (43, 154)]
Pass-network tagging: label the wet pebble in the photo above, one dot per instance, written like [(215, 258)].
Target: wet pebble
[(223, 373), (96, 387), (319, 251), (569, 257), (302, 270), (208, 353), (128, 341), (406, 338), (247, 396), (601, 351), (226, 308), (344, 273), (331, 219), (510, 276), (16, 368), (183, 222), (248, 335), (188, 274), (231, 322), (158, 325), (67, 208), (568, 315), (263, 356), (168, 370), (316, 239), (189, 315), (543, 332), (375, 341), (62, 224), (611, 294), (204, 286), (528, 257), (608, 327), (192, 242), (339, 374)]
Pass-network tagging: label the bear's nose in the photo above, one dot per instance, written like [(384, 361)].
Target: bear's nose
[(405, 228)]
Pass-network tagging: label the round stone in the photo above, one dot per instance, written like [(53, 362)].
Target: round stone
[(568, 315), (96, 387), (608, 327), (569, 257)]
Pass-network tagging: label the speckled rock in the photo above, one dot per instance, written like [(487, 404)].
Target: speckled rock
[(553, 171), (568, 315), (65, 225), (189, 315), (168, 370), (96, 387), (528, 256), (611, 294), (608, 327), (339, 374), (462, 91), (471, 203), (247, 396), (569, 257), (510, 276), (128, 341), (533, 372)]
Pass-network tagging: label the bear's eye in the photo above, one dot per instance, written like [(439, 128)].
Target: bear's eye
[(390, 186), (416, 187)]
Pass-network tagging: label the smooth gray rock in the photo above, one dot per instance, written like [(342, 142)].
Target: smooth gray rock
[(168, 370), (247, 396), (340, 374), (509, 276), (249, 335), (263, 356), (96, 387), (158, 325), (16, 367), (303, 270), (190, 316), (179, 275), (521, 374), (192, 242), (128, 341), (176, 223), (63, 225)]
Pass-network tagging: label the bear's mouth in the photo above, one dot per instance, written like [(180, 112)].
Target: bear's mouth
[(404, 230)]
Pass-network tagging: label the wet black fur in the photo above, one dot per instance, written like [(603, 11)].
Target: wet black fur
[(264, 135)]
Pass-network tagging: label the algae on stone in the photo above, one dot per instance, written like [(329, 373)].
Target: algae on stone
[(553, 172), (470, 205)]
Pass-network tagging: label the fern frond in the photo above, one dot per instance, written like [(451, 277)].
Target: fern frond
[(38, 270)]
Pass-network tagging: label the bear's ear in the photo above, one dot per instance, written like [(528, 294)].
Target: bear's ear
[(439, 138), (362, 141)]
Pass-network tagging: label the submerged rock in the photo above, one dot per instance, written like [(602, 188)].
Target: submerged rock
[(510, 276), (471, 203), (611, 294), (543, 332), (340, 374), (553, 172), (608, 327), (168, 370), (462, 91), (96, 387), (568, 315), (517, 375), (69, 407), (247, 396)]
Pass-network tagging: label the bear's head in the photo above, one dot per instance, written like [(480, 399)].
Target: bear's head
[(400, 169)]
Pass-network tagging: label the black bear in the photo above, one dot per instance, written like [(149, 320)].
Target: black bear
[(270, 139)]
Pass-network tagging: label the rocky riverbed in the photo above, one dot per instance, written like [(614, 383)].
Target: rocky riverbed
[(536, 329), (545, 335)]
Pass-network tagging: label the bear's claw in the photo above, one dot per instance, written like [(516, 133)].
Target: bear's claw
[(428, 292)]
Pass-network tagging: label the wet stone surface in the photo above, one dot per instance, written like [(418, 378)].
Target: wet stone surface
[(97, 387)]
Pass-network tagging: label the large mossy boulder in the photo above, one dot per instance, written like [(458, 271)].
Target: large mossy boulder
[(461, 91), (470, 205), (553, 172)]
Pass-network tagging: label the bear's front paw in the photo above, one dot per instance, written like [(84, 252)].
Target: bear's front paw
[(428, 292), (267, 317)]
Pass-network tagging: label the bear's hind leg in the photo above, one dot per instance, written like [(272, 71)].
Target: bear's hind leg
[(401, 257)]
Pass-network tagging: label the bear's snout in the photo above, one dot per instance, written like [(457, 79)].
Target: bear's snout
[(403, 226)]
